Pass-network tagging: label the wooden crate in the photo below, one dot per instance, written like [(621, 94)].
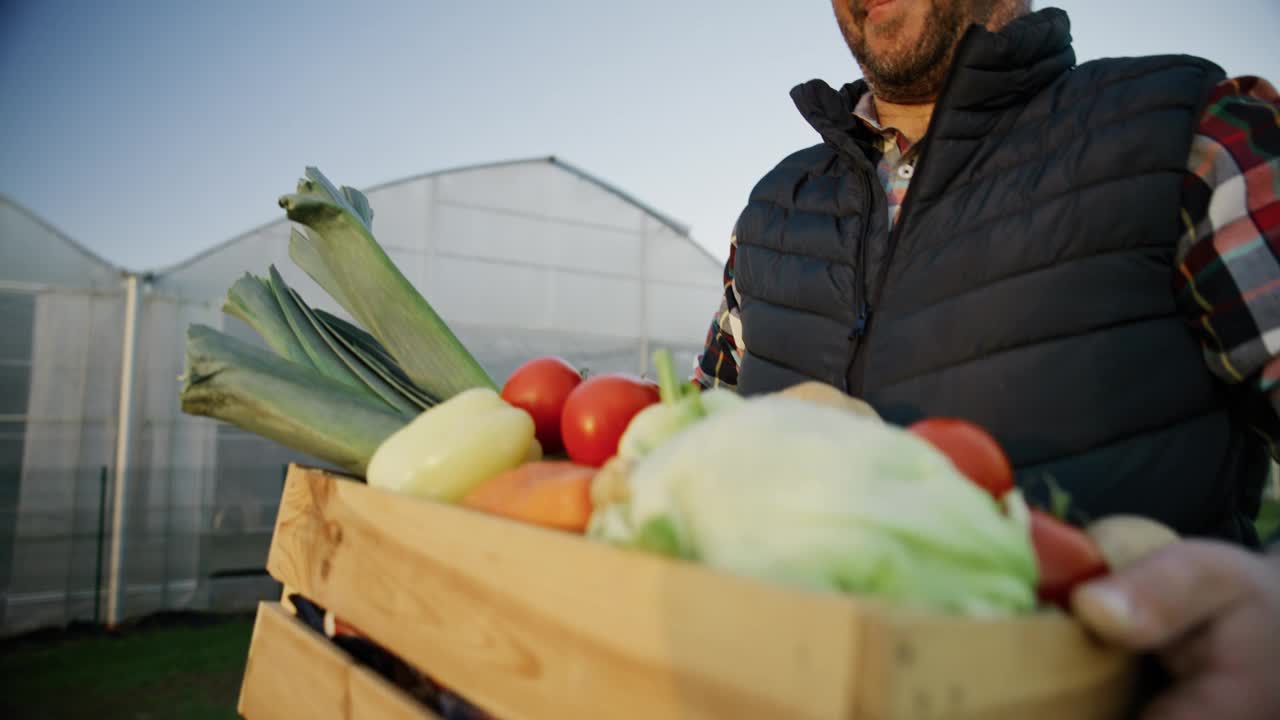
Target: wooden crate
[(534, 623), (294, 672)]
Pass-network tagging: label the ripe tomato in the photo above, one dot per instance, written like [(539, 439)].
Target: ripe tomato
[(540, 388), (597, 413), (1065, 555), (973, 451)]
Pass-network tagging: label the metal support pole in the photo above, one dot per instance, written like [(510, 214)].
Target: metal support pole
[(168, 533), (102, 529), (124, 424), (644, 297)]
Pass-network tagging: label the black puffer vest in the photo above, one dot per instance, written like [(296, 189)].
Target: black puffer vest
[(1027, 285)]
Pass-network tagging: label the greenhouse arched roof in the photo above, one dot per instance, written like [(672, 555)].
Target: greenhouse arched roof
[(34, 252), (677, 227)]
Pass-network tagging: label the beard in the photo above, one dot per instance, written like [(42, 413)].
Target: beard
[(910, 69)]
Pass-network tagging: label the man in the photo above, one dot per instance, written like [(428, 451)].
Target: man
[(1081, 259)]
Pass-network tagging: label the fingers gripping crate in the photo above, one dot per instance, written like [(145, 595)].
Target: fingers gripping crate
[(533, 623)]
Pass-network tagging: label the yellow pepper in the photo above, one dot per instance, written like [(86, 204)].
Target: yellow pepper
[(453, 447)]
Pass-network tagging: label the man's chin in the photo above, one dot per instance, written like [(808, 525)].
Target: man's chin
[(888, 54), (892, 41)]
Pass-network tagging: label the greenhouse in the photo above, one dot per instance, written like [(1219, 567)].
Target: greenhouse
[(521, 258)]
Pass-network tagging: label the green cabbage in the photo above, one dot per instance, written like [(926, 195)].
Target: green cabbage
[(816, 497)]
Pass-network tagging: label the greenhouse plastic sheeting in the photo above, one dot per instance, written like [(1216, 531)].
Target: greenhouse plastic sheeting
[(522, 259)]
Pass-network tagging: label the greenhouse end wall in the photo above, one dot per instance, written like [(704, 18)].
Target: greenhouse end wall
[(523, 259)]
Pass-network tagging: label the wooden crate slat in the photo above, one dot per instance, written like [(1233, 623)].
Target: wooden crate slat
[(293, 672), (532, 623), (930, 667)]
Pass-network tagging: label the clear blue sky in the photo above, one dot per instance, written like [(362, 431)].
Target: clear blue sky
[(151, 129)]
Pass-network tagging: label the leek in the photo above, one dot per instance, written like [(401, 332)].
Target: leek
[(337, 249), (285, 401), (362, 373), (251, 300), (332, 389), (297, 333), (373, 358), (317, 350)]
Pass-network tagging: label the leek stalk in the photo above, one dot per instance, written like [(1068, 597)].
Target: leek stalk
[(338, 250), (331, 389), (284, 401)]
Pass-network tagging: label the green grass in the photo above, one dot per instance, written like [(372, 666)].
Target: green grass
[(169, 667)]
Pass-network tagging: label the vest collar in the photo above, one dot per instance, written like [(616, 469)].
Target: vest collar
[(990, 71)]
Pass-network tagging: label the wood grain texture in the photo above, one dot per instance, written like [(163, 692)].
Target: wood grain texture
[(293, 672), (934, 667), (534, 623)]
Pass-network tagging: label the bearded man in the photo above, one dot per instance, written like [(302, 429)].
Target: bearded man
[(1081, 259)]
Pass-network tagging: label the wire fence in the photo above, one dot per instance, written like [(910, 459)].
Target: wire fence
[(208, 556)]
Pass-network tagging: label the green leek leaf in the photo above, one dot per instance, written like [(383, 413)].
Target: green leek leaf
[(384, 367), (358, 274), (323, 358), (284, 401), (368, 344), (368, 377), (251, 300), (306, 256)]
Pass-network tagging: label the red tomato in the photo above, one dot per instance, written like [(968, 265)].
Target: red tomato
[(973, 451), (597, 413), (1066, 557), (540, 388)]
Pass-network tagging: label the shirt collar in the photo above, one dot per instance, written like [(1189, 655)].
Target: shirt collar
[(865, 111)]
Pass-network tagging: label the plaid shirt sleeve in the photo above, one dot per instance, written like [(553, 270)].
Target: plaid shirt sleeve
[(1228, 259), (717, 366)]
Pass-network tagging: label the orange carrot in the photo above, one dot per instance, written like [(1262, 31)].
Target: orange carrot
[(551, 493)]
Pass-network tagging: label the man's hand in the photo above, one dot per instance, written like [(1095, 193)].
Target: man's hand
[(1211, 613)]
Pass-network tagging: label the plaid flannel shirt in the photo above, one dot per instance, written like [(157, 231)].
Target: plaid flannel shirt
[(1227, 265)]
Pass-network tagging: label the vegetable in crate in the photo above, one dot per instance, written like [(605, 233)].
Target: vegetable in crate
[(280, 397), (680, 405), (1065, 555), (338, 250), (540, 388), (972, 449), (450, 449), (786, 490), (824, 394), (598, 411), (371, 384), (1125, 539), (335, 348), (550, 493), (290, 403)]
